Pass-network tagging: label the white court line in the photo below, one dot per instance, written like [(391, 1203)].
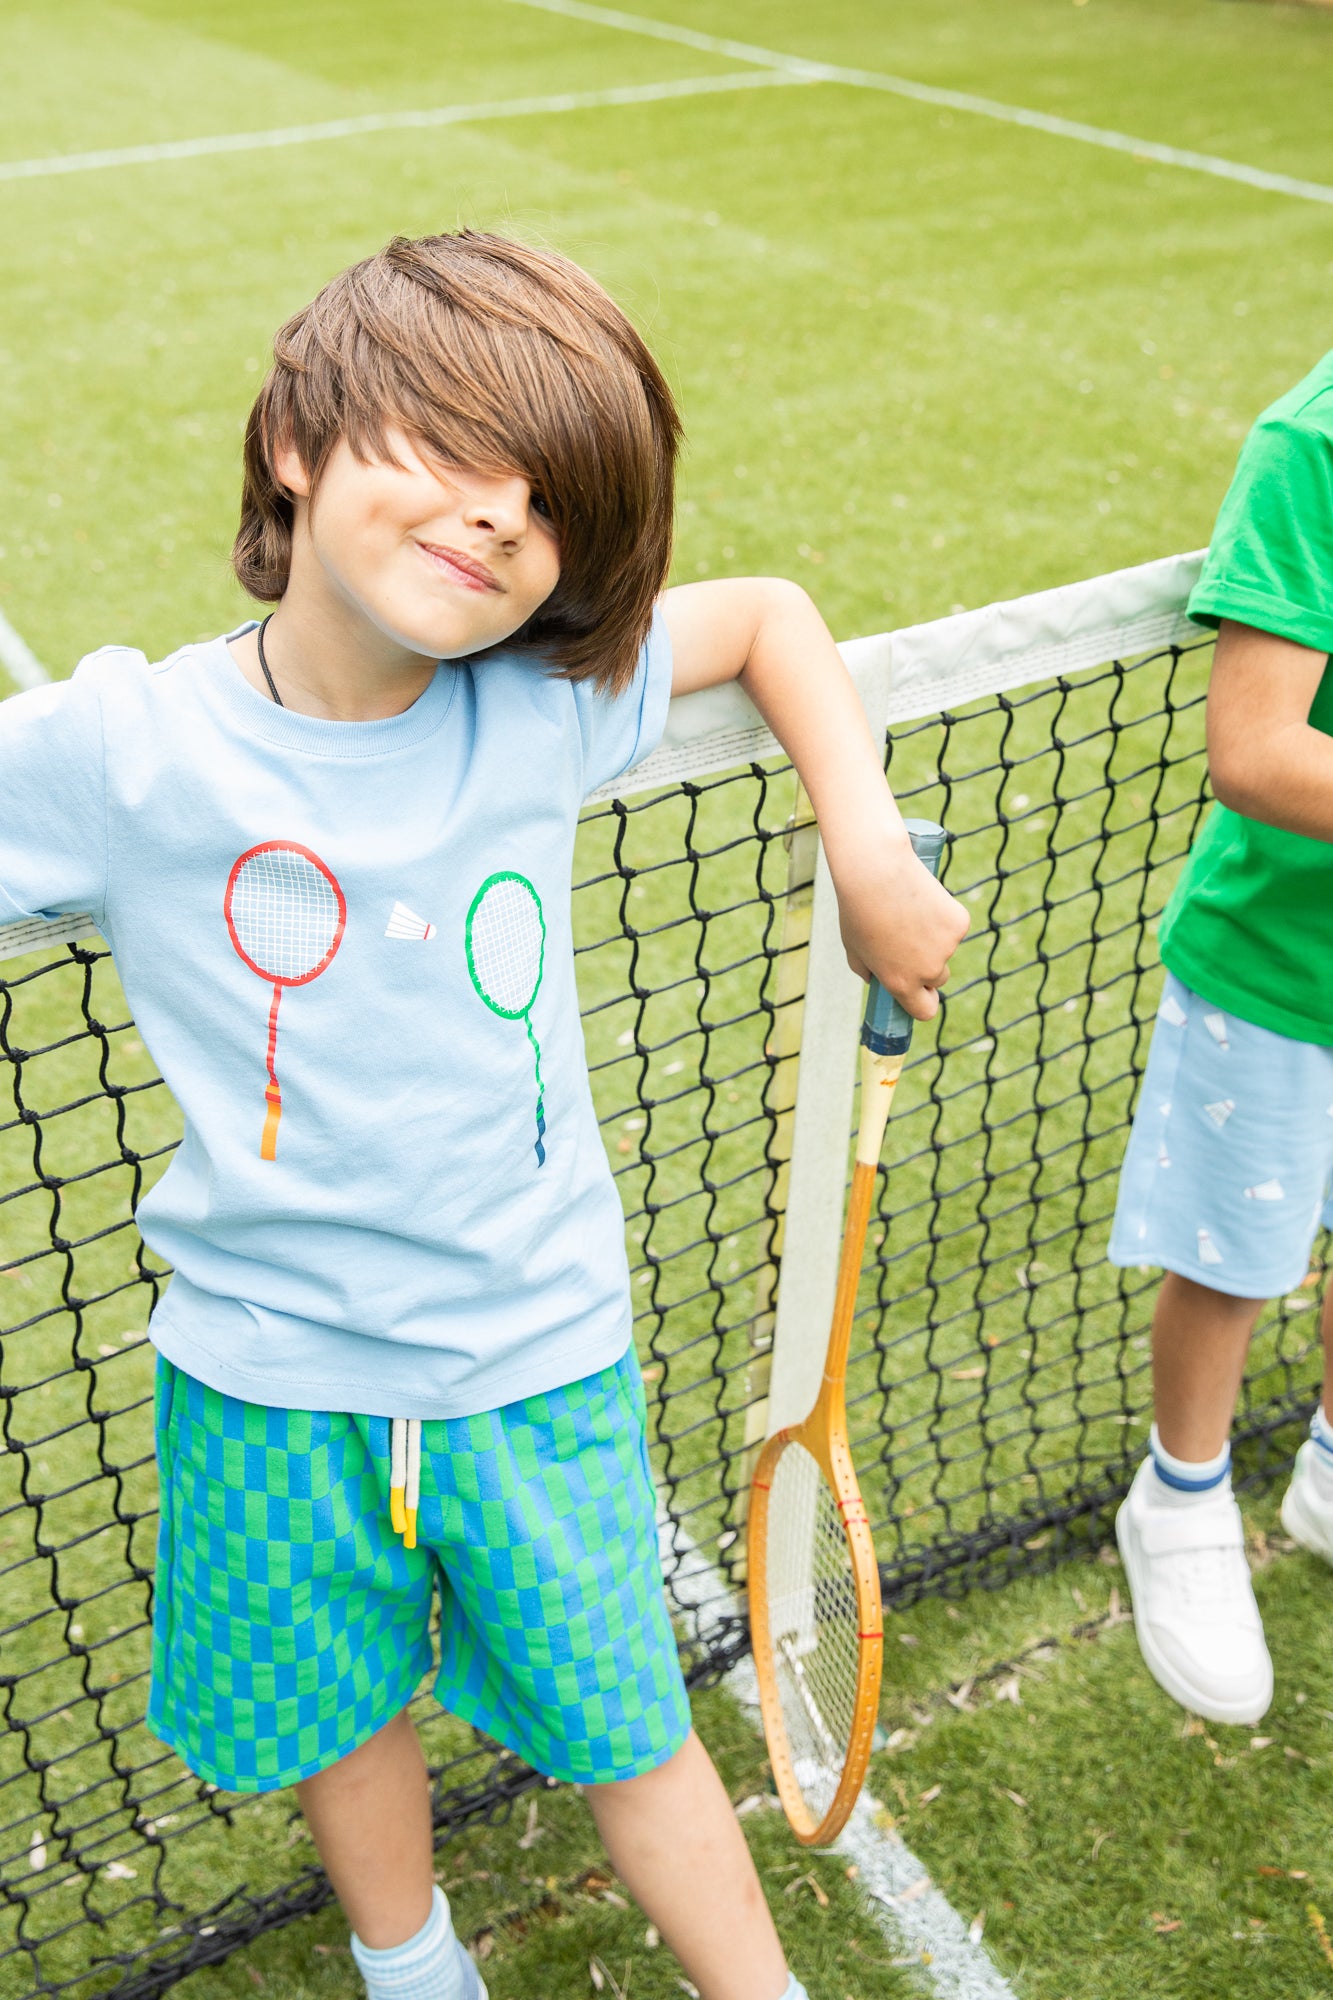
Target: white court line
[(389, 121), (917, 1918), (802, 70), (18, 659)]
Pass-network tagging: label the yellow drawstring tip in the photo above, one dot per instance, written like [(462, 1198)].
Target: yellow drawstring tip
[(397, 1511), (409, 1527)]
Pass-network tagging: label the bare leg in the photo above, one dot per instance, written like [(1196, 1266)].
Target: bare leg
[(677, 1845), (370, 1817), (1199, 1342)]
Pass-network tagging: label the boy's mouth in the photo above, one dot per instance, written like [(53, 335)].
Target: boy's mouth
[(461, 569)]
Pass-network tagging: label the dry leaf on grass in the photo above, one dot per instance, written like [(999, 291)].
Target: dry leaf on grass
[(483, 1944), (1320, 1929), (807, 1882), (1164, 1925), (1007, 1690), (959, 1697), (966, 1374), (929, 1796), (533, 1832), (914, 1889), (1017, 1797), (976, 1928)]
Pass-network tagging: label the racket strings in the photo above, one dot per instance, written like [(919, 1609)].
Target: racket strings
[(285, 914), (506, 937), (814, 1624)]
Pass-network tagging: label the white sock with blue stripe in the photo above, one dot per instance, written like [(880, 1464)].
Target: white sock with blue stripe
[(1321, 1430), (1180, 1482), (430, 1966)]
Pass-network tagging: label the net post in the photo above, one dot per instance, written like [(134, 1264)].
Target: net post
[(821, 1119), (783, 1049)]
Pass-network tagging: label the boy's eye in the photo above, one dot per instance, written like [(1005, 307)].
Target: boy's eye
[(541, 505)]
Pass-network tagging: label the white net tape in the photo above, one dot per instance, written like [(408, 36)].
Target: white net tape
[(506, 937), (284, 913), (813, 1623)]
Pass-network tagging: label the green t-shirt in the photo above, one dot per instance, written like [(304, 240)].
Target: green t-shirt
[(1250, 925)]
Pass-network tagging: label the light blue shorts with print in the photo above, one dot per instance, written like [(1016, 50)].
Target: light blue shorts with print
[(1227, 1174)]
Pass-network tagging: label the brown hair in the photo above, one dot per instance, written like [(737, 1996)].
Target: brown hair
[(495, 356)]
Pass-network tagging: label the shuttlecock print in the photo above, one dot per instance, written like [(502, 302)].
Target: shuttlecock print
[(405, 923), (1266, 1191), (1172, 1012), (1220, 1111), (1216, 1025), (1208, 1250)]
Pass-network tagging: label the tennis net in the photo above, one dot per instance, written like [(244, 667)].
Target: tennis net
[(998, 1391)]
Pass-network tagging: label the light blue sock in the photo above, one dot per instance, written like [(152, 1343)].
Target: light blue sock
[(795, 1990), (430, 1966), (1181, 1481), (1321, 1430)]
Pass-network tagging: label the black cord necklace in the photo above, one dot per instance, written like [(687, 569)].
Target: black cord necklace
[(259, 635)]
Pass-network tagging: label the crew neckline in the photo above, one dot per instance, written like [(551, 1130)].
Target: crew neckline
[(319, 735)]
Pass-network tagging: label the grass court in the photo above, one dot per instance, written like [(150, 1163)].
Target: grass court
[(927, 359)]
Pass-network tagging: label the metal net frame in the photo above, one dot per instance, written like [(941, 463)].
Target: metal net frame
[(999, 1383)]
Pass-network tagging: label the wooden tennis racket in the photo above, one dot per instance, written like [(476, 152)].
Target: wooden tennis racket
[(815, 1613)]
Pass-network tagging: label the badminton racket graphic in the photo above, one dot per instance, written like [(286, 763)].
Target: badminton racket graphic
[(815, 1612), (286, 916), (506, 943)]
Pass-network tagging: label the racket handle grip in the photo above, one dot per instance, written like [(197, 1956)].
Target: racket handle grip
[(887, 1027)]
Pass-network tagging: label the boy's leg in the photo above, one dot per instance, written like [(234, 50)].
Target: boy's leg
[(370, 1818), (1180, 1531), (676, 1843), (1199, 1342)]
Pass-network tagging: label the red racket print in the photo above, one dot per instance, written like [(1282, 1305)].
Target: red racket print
[(286, 916)]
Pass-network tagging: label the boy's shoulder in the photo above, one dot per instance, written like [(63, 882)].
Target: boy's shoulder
[(1306, 407)]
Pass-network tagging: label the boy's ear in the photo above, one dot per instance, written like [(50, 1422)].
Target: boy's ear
[(291, 475)]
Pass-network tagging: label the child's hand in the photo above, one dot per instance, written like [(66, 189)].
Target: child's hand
[(898, 923)]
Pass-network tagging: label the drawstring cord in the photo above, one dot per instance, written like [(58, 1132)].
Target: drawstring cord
[(405, 1477)]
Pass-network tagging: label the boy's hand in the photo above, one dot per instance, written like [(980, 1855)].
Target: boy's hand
[(898, 922)]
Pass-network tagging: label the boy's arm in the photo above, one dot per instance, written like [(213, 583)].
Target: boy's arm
[(1264, 758), (897, 921)]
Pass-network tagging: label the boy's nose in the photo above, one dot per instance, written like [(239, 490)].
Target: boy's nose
[(500, 504)]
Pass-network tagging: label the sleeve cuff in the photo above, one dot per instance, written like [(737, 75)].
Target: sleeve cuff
[(1213, 601)]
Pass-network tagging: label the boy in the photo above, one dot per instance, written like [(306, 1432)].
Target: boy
[(1228, 1168), (332, 856)]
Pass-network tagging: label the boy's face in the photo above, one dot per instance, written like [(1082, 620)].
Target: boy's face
[(441, 560)]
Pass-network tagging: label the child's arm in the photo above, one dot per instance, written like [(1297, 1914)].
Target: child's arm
[(1264, 758), (896, 919)]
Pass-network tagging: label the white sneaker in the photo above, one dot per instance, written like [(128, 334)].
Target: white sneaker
[(1307, 1514), (1197, 1623)]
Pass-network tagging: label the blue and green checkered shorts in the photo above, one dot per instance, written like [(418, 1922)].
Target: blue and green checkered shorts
[(290, 1622)]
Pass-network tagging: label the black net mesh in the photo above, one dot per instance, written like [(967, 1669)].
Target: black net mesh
[(999, 1383)]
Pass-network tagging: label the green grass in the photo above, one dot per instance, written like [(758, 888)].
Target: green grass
[(925, 361), (1144, 1853)]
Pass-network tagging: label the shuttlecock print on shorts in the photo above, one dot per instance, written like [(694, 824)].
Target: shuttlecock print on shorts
[(1208, 1250), (405, 923), (1172, 1012), (285, 917), (1216, 1025), (505, 940), (1266, 1191), (1220, 1111)]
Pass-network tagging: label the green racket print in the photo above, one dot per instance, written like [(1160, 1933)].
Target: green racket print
[(506, 944)]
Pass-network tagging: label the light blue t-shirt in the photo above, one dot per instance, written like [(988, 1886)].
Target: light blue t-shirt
[(308, 924)]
